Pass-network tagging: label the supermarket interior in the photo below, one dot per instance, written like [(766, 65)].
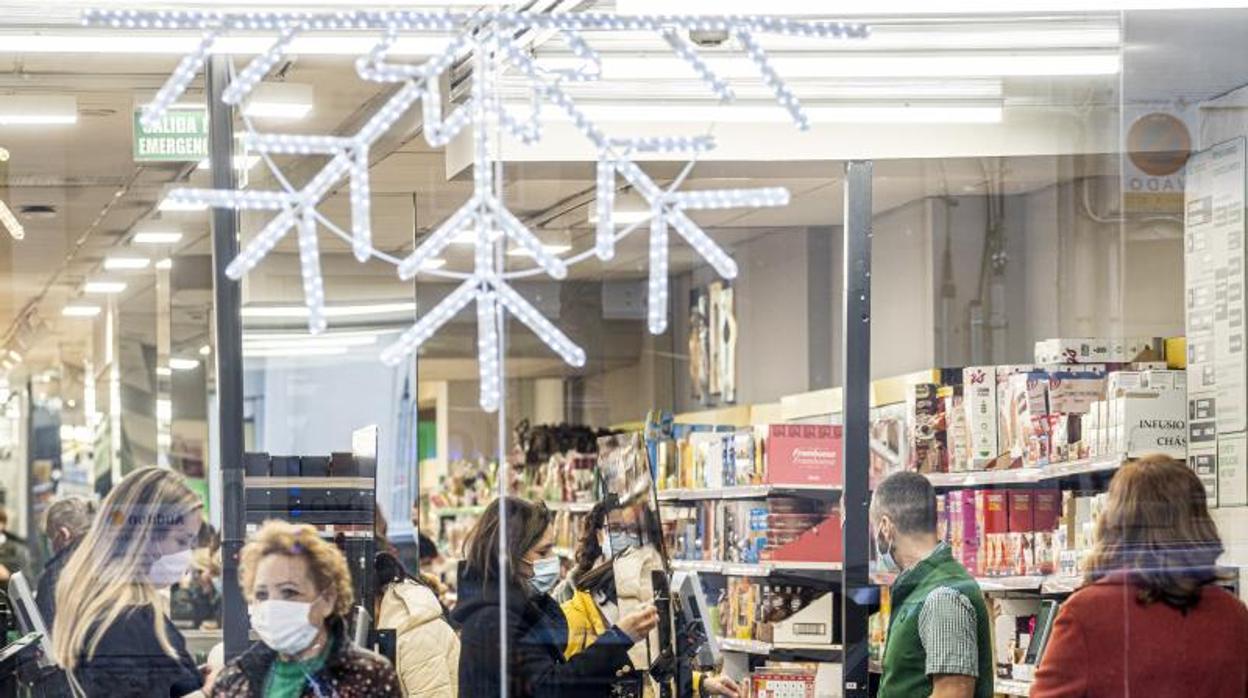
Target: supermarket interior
[(703, 281)]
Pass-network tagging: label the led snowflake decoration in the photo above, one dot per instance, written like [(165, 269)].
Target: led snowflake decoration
[(490, 39)]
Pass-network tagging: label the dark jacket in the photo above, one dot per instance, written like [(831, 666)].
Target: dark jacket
[(537, 635), (1105, 642), (130, 662), (349, 672), (45, 592)]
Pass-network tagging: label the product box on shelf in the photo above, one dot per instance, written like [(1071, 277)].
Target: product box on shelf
[(1085, 350), (979, 403), (992, 522), (804, 454), (926, 418), (1074, 393), (1153, 421), (1163, 380), (964, 532), (1027, 398), (957, 439), (1008, 428), (794, 538)]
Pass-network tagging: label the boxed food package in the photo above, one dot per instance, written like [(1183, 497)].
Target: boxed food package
[(992, 522), (964, 535), (1020, 511), (1163, 380), (926, 418), (942, 516), (1120, 382), (979, 404), (804, 454), (809, 622), (708, 459), (1080, 350), (1074, 393), (1144, 422), (1026, 432), (956, 429)]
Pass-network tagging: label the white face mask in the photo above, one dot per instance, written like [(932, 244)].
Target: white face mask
[(167, 570), (283, 625)]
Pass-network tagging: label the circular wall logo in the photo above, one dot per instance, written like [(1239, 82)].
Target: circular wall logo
[(1159, 144)]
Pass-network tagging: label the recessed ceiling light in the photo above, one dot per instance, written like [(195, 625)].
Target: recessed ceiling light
[(164, 371), (165, 263), (279, 100), (550, 248), (104, 287), (205, 350), (80, 310), (157, 238), (4, 155), (180, 364), (114, 263), (41, 110)]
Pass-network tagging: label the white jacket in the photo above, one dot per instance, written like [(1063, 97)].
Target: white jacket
[(427, 652)]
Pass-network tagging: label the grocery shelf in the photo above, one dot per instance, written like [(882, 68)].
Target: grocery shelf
[(1012, 687), (449, 512), (818, 651), (340, 483), (576, 507), (1045, 584), (763, 569), (1025, 476), (745, 492)]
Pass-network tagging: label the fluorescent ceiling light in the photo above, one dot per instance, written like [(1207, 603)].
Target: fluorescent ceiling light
[(46, 110), (551, 248), (165, 263), (164, 410), (104, 287), (433, 263), (279, 100), (80, 310), (157, 238), (164, 371), (175, 44), (205, 350), (241, 162), (301, 311), (16, 357), (293, 352), (306, 341), (178, 363), (112, 263), (861, 65), (10, 222), (915, 7), (252, 337)]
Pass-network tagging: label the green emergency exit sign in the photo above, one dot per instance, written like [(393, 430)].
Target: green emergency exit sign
[(181, 135)]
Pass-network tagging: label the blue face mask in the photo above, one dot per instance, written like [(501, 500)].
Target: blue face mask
[(545, 574), (884, 551), (619, 541)]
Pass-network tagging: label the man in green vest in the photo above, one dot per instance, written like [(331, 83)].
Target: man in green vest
[(938, 635)]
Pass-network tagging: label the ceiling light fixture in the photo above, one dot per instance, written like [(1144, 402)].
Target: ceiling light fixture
[(42, 110), (185, 42), (16, 357), (205, 350), (156, 238), (291, 352), (241, 162), (104, 287), (180, 364), (279, 100), (165, 263), (706, 112), (305, 341), (14, 226), (80, 310), (164, 371), (126, 263)]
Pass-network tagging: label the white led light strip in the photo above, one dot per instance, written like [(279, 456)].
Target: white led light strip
[(490, 37)]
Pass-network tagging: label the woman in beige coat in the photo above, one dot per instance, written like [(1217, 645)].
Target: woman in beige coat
[(426, 648)]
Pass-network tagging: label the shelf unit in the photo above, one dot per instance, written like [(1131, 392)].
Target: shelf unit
[(452, 512), (1043, 584), (804, 650), (747, 492), (336, 483), (574, 507), (1026, 476)]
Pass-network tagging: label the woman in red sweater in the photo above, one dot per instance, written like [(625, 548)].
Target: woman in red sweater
[(1148, 621)]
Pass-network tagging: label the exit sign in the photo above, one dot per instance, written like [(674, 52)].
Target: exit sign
[(181, 135)]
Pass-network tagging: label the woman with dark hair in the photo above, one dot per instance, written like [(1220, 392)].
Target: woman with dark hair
[(1149, 620), (536, 629), (426, 649)]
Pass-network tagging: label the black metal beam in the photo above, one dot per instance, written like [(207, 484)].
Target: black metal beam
[(856, 371), (229, 355)]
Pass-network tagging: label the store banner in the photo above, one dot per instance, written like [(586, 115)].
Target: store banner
[(181, 135)]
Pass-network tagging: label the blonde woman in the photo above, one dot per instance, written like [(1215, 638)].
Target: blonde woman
[(299, 590), (112, 631)]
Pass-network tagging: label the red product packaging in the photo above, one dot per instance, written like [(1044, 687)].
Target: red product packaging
[(804, 454), (1021, 506), (942, 518), (992, 511), (1046, 509)]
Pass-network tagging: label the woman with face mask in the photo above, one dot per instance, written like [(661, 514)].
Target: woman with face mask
[(514, 593), (298, 588), (112, 633)]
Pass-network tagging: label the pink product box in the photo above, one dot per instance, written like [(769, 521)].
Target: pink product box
[(804, 454)]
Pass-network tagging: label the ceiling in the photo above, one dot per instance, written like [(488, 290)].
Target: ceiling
[(87, 174)]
